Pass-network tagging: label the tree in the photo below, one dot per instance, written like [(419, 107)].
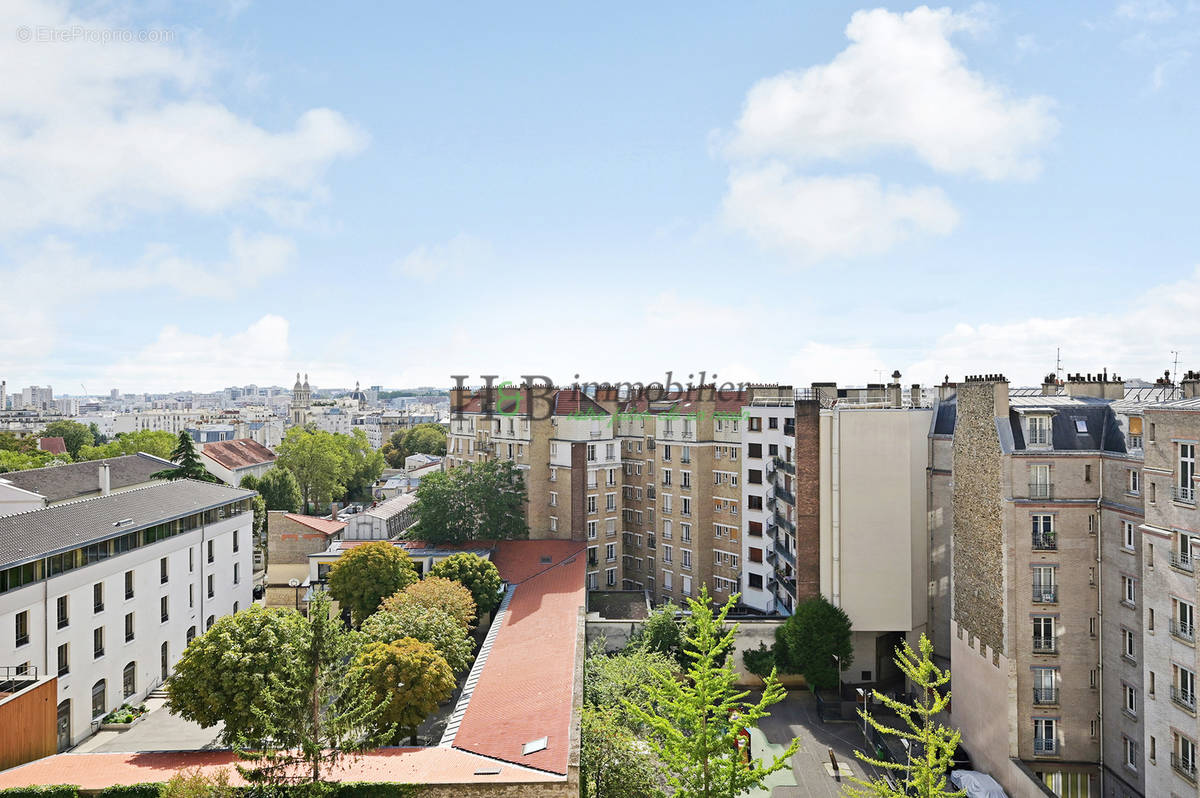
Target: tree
[(811, 638), (361, 465), (435, 592), (367, 574), (159, 443), (98, 437), (430, 625), (613, 681), (74, 435), (660, 633), (11, 460), (472, 502), (316, 460), (408, 678), (698, 727), (283, 687), (188, 465), (931, 744), (425, 439), (260, 518), (476, 574), (279, 490), (613, 763), (11, 443)]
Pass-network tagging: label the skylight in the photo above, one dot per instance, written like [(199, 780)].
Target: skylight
[(533, 746), (1081, 425)]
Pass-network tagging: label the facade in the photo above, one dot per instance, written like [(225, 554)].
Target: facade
[(233, 460), (105, 592)]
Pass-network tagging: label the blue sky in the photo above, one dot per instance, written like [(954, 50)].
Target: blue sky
[(791, 192)]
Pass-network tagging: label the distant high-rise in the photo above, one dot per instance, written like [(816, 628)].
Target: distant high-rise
[(3, 395)]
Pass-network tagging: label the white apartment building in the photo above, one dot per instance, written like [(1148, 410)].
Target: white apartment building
[(106, 592), (767, 474)]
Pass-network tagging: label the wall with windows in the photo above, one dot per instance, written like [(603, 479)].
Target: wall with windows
[(113, 614)]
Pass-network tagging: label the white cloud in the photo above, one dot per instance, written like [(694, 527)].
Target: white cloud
[(427, 263), (901, 85), (822, 217), (179, 359), (252, 259), (95, 131), (1145, 10)]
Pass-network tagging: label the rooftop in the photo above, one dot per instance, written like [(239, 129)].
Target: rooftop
[(237, 454), (325, 526), (74, 480), (392, 507), (33, 534)]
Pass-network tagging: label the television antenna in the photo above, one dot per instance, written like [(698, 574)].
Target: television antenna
[(1175, 370)]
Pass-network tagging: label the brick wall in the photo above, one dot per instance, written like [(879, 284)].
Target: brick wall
[(808, 499)]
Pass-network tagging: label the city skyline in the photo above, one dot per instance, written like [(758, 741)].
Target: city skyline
[(500, 175)]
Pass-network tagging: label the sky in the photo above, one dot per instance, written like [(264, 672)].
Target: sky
[(202, 194)]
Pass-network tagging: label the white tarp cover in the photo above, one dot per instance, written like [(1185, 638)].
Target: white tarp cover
[(977, 785)]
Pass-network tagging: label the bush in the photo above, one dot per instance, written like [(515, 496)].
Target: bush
[(368, 789), (810, 639), (759, 661), (147, 790), (125, 714), (42, 791)]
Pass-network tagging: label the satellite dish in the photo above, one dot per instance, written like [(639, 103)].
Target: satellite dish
[(293, 582)]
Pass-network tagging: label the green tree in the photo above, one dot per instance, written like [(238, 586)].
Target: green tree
[(660, 633), (425, 439), (933, 745), (159, 443), (811, 638), (74, 435), (361, 465), (481, 501), (430, 625), (11, 460), (260, 518), (617, 680), (283, 687), (316, 460), (476, 574), (187, 461), (367, 574), (11, 443), (435, 592), (279, 490), (699, 721), (98, 437), (408, 678), (613, 762)]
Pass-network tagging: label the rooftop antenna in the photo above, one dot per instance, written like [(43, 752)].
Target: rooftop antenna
[(1175, 371), (1058, 363)]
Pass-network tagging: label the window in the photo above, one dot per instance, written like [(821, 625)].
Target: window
[(1184, 622), (211, 552), (1127, 535), (192, 594), (1183, 758), (685, 479), (591, 453), (1045, 589), (191, 635), (772, 422), (129, 627), (64, 659), (610, 576), (755, 425), (22, 628), (1087, 473), (1043, 532), (666, 502), (754, 476), (1128, 645), (1045, 688), (236, 542), (553, 499), (755, 502), (1130, 698), (685, 532), (162, 571), (593, 581), (610, 552), (237, 578), (210, 585), (554, 475), (129, 680), (128, 585), (1183, 688), (668, 554), (755, 581), (666, 476), (1045, 737), (1187, 471), (191, 559), (1080, 425), (1039, 427), (98, 597), (1039, 482), (98, 642), (754, 450), (1043, 634), (1131, 757), (685, 505), (667, 578), (687, 558), (1135, 484), (592, 526), (666, 452), (756, 554), (687, 585), (208, 623), (99, 702), (685, 454), (163, 610), (63, 615), (610, 502), (591, 504)]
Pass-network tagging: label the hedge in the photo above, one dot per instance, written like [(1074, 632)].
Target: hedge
[(42, 791), (147, 790)]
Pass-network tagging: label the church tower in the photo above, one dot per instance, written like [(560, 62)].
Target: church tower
[(301, 401)]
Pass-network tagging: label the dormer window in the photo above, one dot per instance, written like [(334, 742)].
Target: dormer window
[(1039, 430)]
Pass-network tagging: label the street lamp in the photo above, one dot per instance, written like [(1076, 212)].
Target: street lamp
[(866, 711), (295, 583)]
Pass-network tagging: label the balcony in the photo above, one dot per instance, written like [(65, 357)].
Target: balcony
[(786, 524), (1182, 560), (1045, 594), (784, 465), (782, 551), (1183, 630), (1041, 490), (1045, 695), (1184, 493), (1045, 645), (1045, 541), (1184, 698), (786, 495), (1185, 767), (1045, 747)]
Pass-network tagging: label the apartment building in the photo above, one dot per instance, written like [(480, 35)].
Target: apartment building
[(1168, 543), (105, 592)]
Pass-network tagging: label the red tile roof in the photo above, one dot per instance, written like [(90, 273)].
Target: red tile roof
[(52, 445), (93, 771), (323, 525), (526, 690), (239, 453)]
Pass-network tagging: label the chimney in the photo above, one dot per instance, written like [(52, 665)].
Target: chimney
[(895, 392), (825, 392), (1096, 386), (105, 480), (914, 394), (1050, 384), (946, 389), (1191, 385)]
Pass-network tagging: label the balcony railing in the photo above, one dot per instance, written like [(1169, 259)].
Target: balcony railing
[(1185, 767), (784, 465), (782, 550), (783, 522), (1044, 746), (1045, 541), (1041, 490), (1045, 695), (1183, 630), (1184, 698), (1183, 561), (1184, 493), (786, 495), (1045, 645), (1045, 594)]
